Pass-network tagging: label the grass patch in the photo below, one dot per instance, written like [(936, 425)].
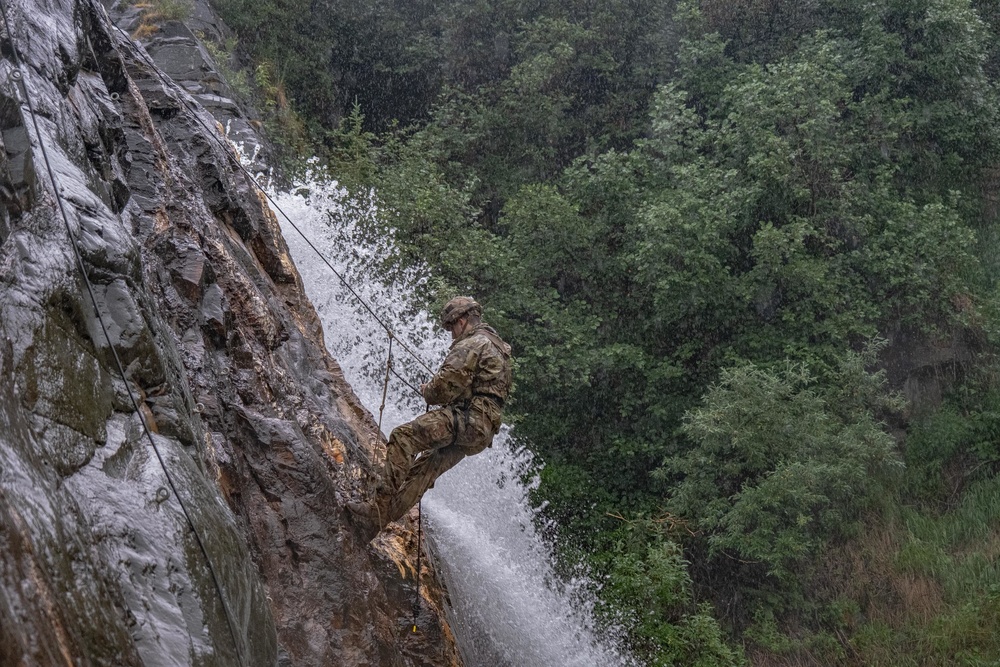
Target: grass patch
[(941, 601), (156, 12), (958, 548)]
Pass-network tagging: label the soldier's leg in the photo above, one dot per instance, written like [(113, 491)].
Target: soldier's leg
[(431, 430), (422, 476), (475, 436)]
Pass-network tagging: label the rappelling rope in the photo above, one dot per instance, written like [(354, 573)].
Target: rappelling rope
[(385, 385), (118, 363), (227, 149), (420, 523)]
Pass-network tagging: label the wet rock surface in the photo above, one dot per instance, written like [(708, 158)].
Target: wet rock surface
[(180, 49), (189, 511)]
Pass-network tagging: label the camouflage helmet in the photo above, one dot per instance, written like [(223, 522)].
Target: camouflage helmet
[(459, 306)]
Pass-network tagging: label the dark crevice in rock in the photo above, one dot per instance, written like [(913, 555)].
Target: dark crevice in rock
[(71, 69), (18, 179)]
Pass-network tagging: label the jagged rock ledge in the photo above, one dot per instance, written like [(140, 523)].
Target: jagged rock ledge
[(252, 419)]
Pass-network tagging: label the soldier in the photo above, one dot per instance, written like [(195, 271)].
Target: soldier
[(471, 387)]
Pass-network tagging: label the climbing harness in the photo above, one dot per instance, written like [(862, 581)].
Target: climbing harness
[(162, 493)]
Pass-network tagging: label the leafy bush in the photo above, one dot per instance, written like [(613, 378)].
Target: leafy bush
[(956, 444), (668, 628), (782, 463)]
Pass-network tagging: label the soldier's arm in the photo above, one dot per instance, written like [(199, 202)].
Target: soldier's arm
[(454, 380)]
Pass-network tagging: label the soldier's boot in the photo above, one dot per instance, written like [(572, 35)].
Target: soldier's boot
[(369, 516)]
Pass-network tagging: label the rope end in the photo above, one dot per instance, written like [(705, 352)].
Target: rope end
[(414, 629)]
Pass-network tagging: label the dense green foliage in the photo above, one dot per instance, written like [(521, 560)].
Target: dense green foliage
[(783, 465), (720, 237)]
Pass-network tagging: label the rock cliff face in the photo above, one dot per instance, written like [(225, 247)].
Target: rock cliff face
[(188, 510)]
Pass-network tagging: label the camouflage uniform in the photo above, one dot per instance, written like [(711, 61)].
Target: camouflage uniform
[(472, 385)]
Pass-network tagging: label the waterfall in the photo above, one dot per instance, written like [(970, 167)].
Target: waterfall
[(508, 608)]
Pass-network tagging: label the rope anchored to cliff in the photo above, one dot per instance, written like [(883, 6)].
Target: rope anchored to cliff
[(18, 76)]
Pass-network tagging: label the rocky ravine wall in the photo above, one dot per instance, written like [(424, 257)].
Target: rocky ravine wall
[(261, 435)]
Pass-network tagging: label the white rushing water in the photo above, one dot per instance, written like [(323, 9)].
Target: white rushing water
[(508, 606)]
